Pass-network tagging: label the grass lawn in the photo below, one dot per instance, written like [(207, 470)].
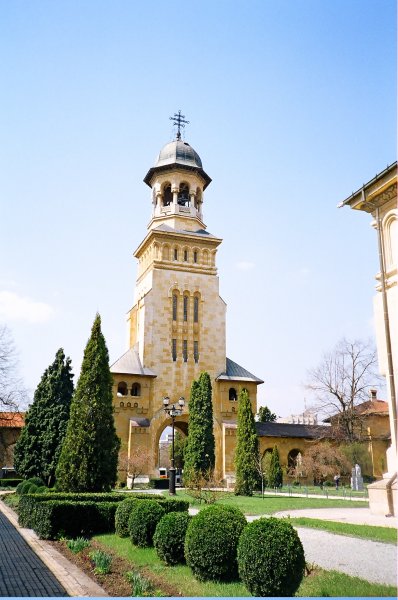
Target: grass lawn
[(319, 583), (256, 505), (369, 532)]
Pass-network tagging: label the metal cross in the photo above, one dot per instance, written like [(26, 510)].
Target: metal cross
[(179, 120)]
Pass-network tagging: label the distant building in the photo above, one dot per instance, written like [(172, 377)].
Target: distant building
[(308, 417), (11, 424)]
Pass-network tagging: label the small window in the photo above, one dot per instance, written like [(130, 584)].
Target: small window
[(195, 256), (196, 351), (185, 308), (175, 300), (185, 255), (174, 350), (196, 309), (122, 404), (136, 389), (122, 389), (183, 195), (185, 350), (175, 254), (232, 395)]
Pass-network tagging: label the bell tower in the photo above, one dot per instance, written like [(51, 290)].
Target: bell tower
[(177, 323)]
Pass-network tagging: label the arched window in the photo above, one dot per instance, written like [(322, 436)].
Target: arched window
[(175, 302), (195, 256), (183, 195), (196, 309), (175, 254), (185, 255), (186, 308), (174, 349), (136, 389), (205, 257), (232, 395), (167, 196), (166, 253), (196, 351), (122, 389)]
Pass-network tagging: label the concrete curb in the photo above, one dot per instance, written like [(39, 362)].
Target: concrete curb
[(75, 582)]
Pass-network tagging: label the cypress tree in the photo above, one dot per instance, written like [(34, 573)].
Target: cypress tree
[(246, 454), (89, 454), (199, 452), (275, 476), (38, 448)]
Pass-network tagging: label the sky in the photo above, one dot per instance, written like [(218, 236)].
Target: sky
[(292, 107)]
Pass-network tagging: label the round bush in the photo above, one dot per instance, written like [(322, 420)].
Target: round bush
[(24, 489), (36, 480), (32, 489), (170, 536), (122, 516), (19, 487), (145, 515), (42, 489), (211, 543), (271, 558)]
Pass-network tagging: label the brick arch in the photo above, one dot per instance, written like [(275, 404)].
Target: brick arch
[(181, 424)]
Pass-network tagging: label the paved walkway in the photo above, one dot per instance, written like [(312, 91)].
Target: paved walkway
[(357, 516), (22, 573), (22, 568)]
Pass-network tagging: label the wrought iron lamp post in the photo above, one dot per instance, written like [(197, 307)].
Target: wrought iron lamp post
[(173, 410)]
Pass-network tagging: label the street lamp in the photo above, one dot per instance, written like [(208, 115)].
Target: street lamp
[(173, 410)]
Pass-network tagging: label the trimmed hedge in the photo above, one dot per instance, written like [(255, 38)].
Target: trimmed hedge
[(57, 518), (211, 543), (143, 520), (271, 558), (10, 482), (169, 537), (159, 483)]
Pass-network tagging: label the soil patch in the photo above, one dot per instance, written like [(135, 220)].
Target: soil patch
[(115, 582)]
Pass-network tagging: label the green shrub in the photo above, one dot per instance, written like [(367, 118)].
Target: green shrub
[(25, 487), (174, 504), (271, 558), (20, 487), (211, 543), (159, 483), (56, 518), (102, 562), (122, 516), (169, 537), (32, 489), (140, 586), (77, 545), (36, 480), (10, 483), (144, 517), (42, 489)]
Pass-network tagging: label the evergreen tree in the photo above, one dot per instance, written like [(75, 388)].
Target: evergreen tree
[(89, 456), (199, 452), (275, 475), (264, 415), (38, 448), (246, 454)]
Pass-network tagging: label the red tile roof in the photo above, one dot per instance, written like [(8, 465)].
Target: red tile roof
[(372, 407), (12, 419)]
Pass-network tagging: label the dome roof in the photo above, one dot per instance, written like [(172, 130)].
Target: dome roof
[(178, 152)]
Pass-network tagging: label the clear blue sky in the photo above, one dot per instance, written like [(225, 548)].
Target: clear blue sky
[(292, 107)]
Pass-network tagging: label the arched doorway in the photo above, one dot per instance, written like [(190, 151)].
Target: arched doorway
[(164, 447)]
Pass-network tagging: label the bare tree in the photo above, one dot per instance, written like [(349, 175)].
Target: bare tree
[(133, 464), (342, 381), (320, 461), (12, 393), (12, 396)]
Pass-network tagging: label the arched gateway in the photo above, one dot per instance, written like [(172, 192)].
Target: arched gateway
[(177, 323)]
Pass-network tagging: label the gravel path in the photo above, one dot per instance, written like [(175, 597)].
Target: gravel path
[(373, 561)]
